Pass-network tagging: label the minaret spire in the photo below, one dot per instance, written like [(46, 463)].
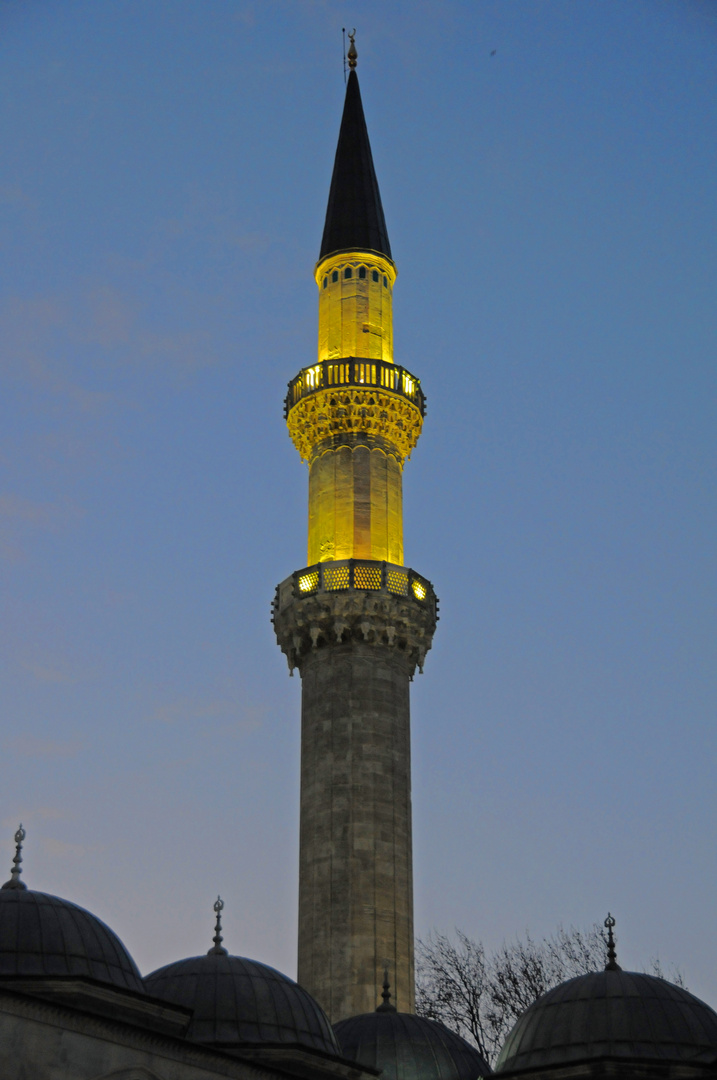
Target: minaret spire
[(354, 216)]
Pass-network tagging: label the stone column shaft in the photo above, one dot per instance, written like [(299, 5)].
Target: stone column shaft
[(355, 885), (357, 630)]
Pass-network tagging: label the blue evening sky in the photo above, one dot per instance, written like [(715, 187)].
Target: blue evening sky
[(552, 212)]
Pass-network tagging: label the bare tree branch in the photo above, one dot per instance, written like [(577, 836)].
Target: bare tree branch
[(480, 996)]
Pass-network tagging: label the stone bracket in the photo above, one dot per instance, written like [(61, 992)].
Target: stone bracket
[(329, 618)]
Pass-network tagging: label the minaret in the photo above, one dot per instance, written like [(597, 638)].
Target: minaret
[(356, 622)]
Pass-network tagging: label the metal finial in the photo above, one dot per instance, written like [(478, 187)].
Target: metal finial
[(612, 964), (352, 55), (386, 995), (15, 882), (218, 950)]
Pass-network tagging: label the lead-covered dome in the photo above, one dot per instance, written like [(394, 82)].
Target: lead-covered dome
[(44, 936), (613, 1014), (408, 1047), (239, 1001)]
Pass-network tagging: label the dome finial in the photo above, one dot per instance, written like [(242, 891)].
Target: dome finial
[(352, 55), (612, 964), (15, 882), (386, 995), (218, 950)]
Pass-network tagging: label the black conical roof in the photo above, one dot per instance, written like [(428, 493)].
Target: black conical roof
[(354, 216)]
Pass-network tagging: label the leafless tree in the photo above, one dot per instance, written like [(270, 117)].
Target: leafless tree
[(453, 986), (480, 996)]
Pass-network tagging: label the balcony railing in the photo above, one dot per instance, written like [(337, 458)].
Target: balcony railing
[(355, 372), (357, 574)]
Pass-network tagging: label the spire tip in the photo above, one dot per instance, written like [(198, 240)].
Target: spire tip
[(352, 55), (387, 1005), (14, 881), (218, 949), (612, 964)]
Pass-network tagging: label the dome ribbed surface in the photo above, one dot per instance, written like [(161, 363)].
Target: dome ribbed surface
[(612, 1014), (408, 1047), (235, 1000), (354, 216), (44, 936)]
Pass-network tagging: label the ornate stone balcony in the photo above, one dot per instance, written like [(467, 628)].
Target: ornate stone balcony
[(374, 602), (358, 372), (372, 399)]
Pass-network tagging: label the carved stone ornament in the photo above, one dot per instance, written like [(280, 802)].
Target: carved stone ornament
[(347, 411), (324, 619)]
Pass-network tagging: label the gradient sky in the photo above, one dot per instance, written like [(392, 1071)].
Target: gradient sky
[(552, 210)]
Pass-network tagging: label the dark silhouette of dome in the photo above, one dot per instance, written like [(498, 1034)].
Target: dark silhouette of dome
[(235, 1001), (44, 936), (612, 1014), (408, 1047)]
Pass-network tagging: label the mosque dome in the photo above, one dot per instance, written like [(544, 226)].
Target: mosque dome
[(408, 1047), (44, 937), (612, 1014), (235, 1000)]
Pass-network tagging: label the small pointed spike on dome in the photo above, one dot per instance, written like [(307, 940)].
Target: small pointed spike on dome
[(352, 55), (612, 964), (386, 995), (15, 882), (218, 950)]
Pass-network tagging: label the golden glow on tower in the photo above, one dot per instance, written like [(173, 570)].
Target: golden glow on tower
[(355, 416), (355, 305), (355, 505)]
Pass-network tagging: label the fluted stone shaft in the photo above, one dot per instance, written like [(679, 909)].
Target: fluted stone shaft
[(355, 883)]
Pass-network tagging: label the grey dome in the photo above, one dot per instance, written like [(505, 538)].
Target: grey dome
[(235, 1000), (408, 1047), (612, 1014), (43, 936)]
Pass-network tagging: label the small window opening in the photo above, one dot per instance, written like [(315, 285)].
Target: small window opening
[(362, 271), (374, 275), (385, 282), (326, 281), (348, 272), (335, 276)]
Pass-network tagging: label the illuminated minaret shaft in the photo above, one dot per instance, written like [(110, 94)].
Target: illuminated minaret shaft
[(355, 621)]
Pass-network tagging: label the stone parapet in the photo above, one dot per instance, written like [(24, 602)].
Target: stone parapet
[(373, 602)]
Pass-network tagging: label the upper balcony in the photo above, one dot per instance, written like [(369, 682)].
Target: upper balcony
[(357, 372)]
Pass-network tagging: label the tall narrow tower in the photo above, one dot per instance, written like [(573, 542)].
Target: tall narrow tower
[(355, 621)]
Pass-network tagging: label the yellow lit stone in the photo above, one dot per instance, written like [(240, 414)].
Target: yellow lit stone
[(355, 506), (354, 416), (356, 313)]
